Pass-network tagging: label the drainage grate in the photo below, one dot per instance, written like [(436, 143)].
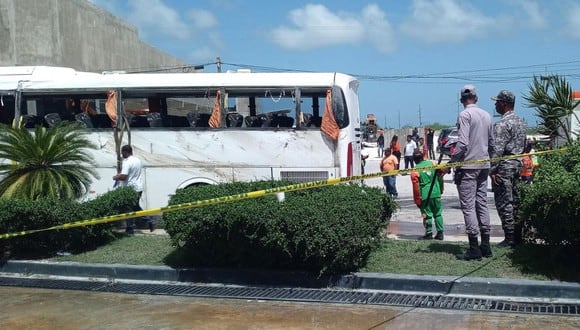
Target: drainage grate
[(302, 295)]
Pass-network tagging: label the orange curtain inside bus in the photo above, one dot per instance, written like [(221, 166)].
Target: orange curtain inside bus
[(329, 125), (111, 106), (216, 117), (87, 107)]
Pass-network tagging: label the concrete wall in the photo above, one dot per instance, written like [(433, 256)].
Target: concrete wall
[(73, 33)]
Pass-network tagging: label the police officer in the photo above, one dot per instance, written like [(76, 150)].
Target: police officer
[(510, 139), (475, 140)]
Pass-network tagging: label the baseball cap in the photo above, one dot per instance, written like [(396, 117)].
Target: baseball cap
[(506, 96), (468, 90)]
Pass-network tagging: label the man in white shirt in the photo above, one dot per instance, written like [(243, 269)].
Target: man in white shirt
[(131, 175), (410, 147)]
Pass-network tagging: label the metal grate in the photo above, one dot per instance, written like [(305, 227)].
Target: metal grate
[(304, 176), (303, 295)]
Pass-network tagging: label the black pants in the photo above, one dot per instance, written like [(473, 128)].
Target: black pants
[(431, 151), (398, 155), (135, 207), (409, 161)]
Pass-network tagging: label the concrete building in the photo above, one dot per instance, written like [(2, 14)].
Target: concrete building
[(73, 33)]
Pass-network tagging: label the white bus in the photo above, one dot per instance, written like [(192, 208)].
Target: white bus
[(268, 124)]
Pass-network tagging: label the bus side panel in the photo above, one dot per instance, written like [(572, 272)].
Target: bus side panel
[(176, 159), (162, 182), (224, 147)]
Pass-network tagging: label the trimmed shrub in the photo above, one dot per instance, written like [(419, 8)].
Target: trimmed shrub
[(327, 229), (22, 215), (551, 205)]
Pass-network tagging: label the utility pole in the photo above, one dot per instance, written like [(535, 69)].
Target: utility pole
[(399, 119), (420, 119), (219, 64)]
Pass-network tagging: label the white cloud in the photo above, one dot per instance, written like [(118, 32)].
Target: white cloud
[(380, 33), (154, 17), (535, 17), (155, 20), (572, 20), (314, 26), (445, 21), (211, 48), (203, 19), (455, 21)]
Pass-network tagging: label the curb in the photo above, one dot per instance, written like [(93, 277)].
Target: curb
[(473, 286), (445, 285)]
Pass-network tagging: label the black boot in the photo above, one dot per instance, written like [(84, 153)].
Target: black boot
[(473, 253), (129, 231), (485, 247), (439, 236), (509, 240), (428, 236)]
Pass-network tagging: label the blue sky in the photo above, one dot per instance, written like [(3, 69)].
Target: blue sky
[(411, 57)]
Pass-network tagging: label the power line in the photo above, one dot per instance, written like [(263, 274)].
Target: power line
[(569, 69), (494, 75)]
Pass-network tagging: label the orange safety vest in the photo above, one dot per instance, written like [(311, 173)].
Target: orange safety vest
[(528, 168), (395, 146)]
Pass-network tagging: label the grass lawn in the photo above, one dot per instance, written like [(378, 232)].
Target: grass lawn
[(393, 256)]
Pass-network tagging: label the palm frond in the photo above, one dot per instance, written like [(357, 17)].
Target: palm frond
[(53, 162), (553, 102)]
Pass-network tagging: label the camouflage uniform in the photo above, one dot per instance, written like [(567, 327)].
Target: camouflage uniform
[(510, 139)]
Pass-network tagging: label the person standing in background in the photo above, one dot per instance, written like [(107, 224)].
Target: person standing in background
[(422, 148), (510, 139), (475, 142), (415, 135), (396, 149), (390, 163), (364, 155), (527, 165), (380, 144), (430, 135), (410, 147)]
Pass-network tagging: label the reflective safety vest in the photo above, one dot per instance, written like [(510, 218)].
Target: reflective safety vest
[(528, 168)]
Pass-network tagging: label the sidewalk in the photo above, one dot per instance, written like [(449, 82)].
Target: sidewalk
[(143, 275)]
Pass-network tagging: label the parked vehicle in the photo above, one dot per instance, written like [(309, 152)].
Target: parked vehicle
[(442, 139), (448, 142)]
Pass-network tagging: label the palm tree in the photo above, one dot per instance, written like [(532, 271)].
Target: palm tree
[(51, 162), (552, 98)]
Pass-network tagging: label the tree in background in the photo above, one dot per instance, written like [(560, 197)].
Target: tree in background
[(51, 162), (552, 99)]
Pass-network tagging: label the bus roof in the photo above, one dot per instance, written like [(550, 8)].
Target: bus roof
[(83, 80), (11, 76)]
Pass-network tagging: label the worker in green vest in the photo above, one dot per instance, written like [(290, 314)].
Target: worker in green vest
[(427, 190)]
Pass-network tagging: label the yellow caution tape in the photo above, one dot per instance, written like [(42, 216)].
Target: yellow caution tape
[(260, 193)]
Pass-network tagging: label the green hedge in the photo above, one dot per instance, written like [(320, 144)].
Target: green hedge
[(327, 229), (550, 207), (20, 215)]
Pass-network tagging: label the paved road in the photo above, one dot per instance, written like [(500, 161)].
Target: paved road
[(25, 308)]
